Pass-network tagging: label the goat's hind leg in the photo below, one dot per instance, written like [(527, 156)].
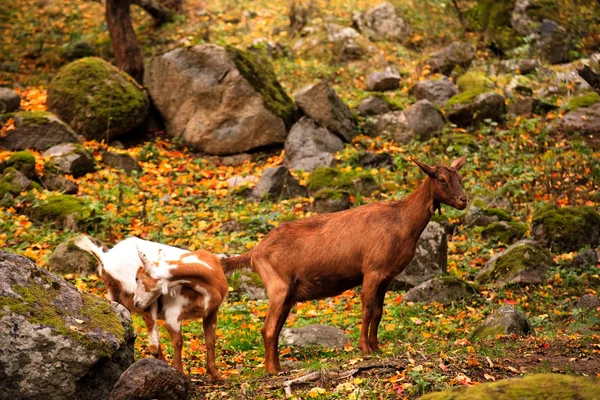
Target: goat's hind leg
[(210, 324), (150, 317), (377, 314), (174, 330)]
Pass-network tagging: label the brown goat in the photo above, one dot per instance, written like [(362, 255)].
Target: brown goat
[(324, 255)]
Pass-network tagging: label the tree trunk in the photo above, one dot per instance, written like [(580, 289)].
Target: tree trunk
[(124, 42), (160, 14)]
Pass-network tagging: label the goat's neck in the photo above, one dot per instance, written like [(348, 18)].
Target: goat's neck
[(419, 207)]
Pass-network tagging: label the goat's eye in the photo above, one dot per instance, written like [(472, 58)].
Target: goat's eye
[(442, 179), (136, 279)]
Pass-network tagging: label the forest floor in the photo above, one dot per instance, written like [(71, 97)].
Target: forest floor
[(182, 198)]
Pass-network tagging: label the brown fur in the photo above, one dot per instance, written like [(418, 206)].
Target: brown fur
[(324, 255)]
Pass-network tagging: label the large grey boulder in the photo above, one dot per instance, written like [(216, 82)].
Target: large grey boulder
[(507, 320), (37, 130), (9, 101), (278, 184), (219, 100), (149, 379), (57, 342), (524, 263), (430, 260), (440, 290), (553, 43), (382, 23), (421, 120), (474, 106), (314, 335), (70, 259), (438, 91), (96, 99), (309, 146), (321, 104), (69, 158), (455, 54), (386, 79)]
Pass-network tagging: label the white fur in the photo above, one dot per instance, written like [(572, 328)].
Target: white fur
[(154, 338), (173, 308), (195, 260)]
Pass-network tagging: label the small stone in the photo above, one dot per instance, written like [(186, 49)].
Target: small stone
[(440, 290), (236, 181), (585, 260), (438, 92), (121, 161), (474, 106), (588, 301), (37, 130), (507, 320), (331, 200), (70, 158), (387, 79), (314, 335), (277, 183), (455, 54), (236, 159), (59, 183), (70, 259), (309, 146), (382, 23), (373, 105), (9, 101)]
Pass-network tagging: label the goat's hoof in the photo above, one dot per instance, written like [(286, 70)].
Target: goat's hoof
[(216, 377)]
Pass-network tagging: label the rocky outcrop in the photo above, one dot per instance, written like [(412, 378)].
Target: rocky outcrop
[(354, 182), (278, 184), (9, 101), (309, 146), (507, 320), (506, 232), (474, 106), (96, 99), (430, 260), (57, 342), (566, 229), (150, 379), (382, 23), (65, 210), (219, 100), (456, 54), (37, 130), (69, 158), (438, 91), (320, 103), (525, 263), (314, 335)]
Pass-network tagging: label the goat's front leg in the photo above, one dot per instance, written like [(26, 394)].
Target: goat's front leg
[(377, 314), (210, 324), (369, 300), (174, 329), (150, 317)]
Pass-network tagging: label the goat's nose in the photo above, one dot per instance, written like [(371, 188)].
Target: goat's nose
[(463, 199)]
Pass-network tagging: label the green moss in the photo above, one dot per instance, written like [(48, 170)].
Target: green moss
[(60, 206), (496, 212), (7, 184), (37, 305), (392, 103), (493, 18), (23, 161), (484, 332), (504, 232), (514, 260), (584, 100), (544, 9), (259, 74), (331, 178), (34, 117), (473, 80), (532, 387), (96, 99), (330, 194), (466, 97), (565, 226)]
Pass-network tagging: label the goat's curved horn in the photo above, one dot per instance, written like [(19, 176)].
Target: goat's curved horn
[(144, 259), (459, 163), (430, 171)]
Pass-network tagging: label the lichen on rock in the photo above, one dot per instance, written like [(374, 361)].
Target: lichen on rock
[(355, 182)]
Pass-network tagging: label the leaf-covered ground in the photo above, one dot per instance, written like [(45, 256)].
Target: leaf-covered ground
[(182, 198)]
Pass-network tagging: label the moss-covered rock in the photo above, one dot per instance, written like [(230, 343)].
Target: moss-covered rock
[(486, 209), (69, 343), (466, 96), (525, 262), (473, 80), (69, 211), (37, 130), (354, 182), (22, 161), (474, 106), (69, 158), (566, 229), (13, 182), (96, 99), (246, 284), (532, 387), (504, 232), (331, 200), (492, 17), (507, 320), (584, 100)]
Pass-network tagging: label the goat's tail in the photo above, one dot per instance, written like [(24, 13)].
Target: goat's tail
[(85, 244), (238, 262)]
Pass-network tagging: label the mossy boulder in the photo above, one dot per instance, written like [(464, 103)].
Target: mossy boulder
[(220, 100), (37, 130), (584, 100), (473, 80), (440, 290), (507, 320), (493, 18), (566, 229), (525, 263), (355, 182), (247, 284), (504, 232), (96, 99), (122, 161), (69, 158), (66, 210), (531, 387), (485, 209), (22, 161), (331, 200), (13, 182), (56, 341), (475, 105)]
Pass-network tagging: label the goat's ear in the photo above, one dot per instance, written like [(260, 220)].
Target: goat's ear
[(459, 163), (430, 171), (145, 262)]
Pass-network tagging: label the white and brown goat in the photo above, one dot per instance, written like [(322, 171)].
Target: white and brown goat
[(118, 268), (193, 286), (324, 255)]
